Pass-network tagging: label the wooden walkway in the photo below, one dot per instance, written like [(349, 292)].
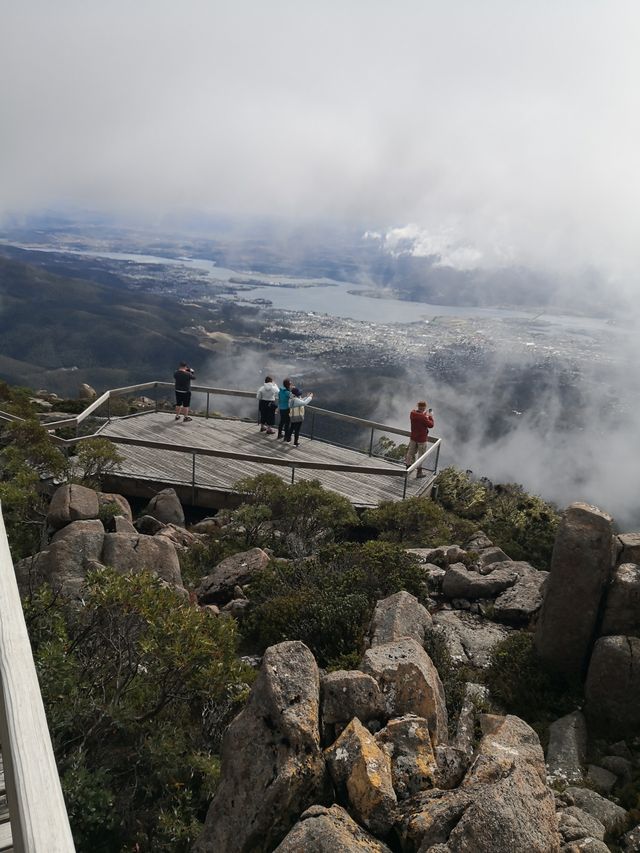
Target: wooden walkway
[(218, 475)]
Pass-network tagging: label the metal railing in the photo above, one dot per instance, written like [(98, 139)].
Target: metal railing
[(39, 821), (431, 455)]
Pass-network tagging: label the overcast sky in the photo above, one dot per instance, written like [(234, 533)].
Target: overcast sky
[(498, 130)]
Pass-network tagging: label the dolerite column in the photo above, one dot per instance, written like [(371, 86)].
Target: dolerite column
[(583, 556)]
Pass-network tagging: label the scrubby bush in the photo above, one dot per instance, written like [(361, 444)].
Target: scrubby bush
[(418, 522), (294, 520), (126, 677), (521, 685), (27, 454), (327, 601), (523, 525), (95, 458)]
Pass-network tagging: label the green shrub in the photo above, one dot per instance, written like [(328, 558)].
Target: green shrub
[(126, 677), (453, 676), (418, 522), (293, 520), (95, 458), (327, 601), (523, 525), (520, 683)]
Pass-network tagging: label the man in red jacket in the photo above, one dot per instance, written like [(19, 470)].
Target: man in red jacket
[(421, 422)]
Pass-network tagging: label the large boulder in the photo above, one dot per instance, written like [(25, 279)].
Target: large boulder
[(72, 502), (361, 772), (136, 553), (519, 603), (622, 608), (612, 689), (399, 615), (166, 507), (469, 638), (581, 563), (329, 830), (409, 682), (346, 694), (611, 816), (272, 764), (86, 392), (567, 750), (502, 806), (237, 570), (65, 562), (629, 547), (407, 742), (460, 582)]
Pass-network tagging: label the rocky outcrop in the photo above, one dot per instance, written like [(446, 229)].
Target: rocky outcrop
[(66, 560), (166, 507), (611, 816), (567, 750), (629, 544), (136, 553), (622, 609), (346, 694), (217, 587), (612, 689), (518, 604), (272, 764), (361, 772), (460, 582), (581, 565), (502, 806), (82, 545), (409, 682), (469, 638), (407, 743), (329, 830), (72, 503), (399, 615)]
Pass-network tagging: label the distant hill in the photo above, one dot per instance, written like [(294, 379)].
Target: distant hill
[(57, 332)]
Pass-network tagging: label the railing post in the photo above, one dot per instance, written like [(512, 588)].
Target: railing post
[(155, 387), (109, 409), (293, 473), (404, 490), (313, 421), (207, 414), (193, 479), (371, 443), (435, 470)]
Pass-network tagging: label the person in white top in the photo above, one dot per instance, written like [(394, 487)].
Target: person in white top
[(267, 405), (296, 410)]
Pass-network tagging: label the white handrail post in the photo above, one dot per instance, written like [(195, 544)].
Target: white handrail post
[(39, 821)]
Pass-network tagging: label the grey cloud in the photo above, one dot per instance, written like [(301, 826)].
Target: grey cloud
[(512, 122)]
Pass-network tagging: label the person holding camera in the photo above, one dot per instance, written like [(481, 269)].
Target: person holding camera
[(421, 422), (183, 376)]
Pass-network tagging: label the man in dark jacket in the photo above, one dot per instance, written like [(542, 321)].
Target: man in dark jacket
[(183, 376), (421, 422)]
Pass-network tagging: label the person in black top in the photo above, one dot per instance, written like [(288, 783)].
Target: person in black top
[(183, 376)]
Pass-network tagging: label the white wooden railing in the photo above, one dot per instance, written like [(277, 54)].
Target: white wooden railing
[(39, 821)]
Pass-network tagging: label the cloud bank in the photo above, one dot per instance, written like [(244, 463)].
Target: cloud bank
[(501, 129)]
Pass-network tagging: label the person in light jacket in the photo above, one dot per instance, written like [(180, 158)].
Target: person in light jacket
[(296, 415), (267, 405)]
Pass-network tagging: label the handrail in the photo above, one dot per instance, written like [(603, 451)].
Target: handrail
[(39, 821), (76, 420)]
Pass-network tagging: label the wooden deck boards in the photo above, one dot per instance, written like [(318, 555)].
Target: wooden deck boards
[(220, 474)]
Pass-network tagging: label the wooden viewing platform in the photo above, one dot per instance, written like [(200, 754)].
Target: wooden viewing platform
[(209, 480)]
